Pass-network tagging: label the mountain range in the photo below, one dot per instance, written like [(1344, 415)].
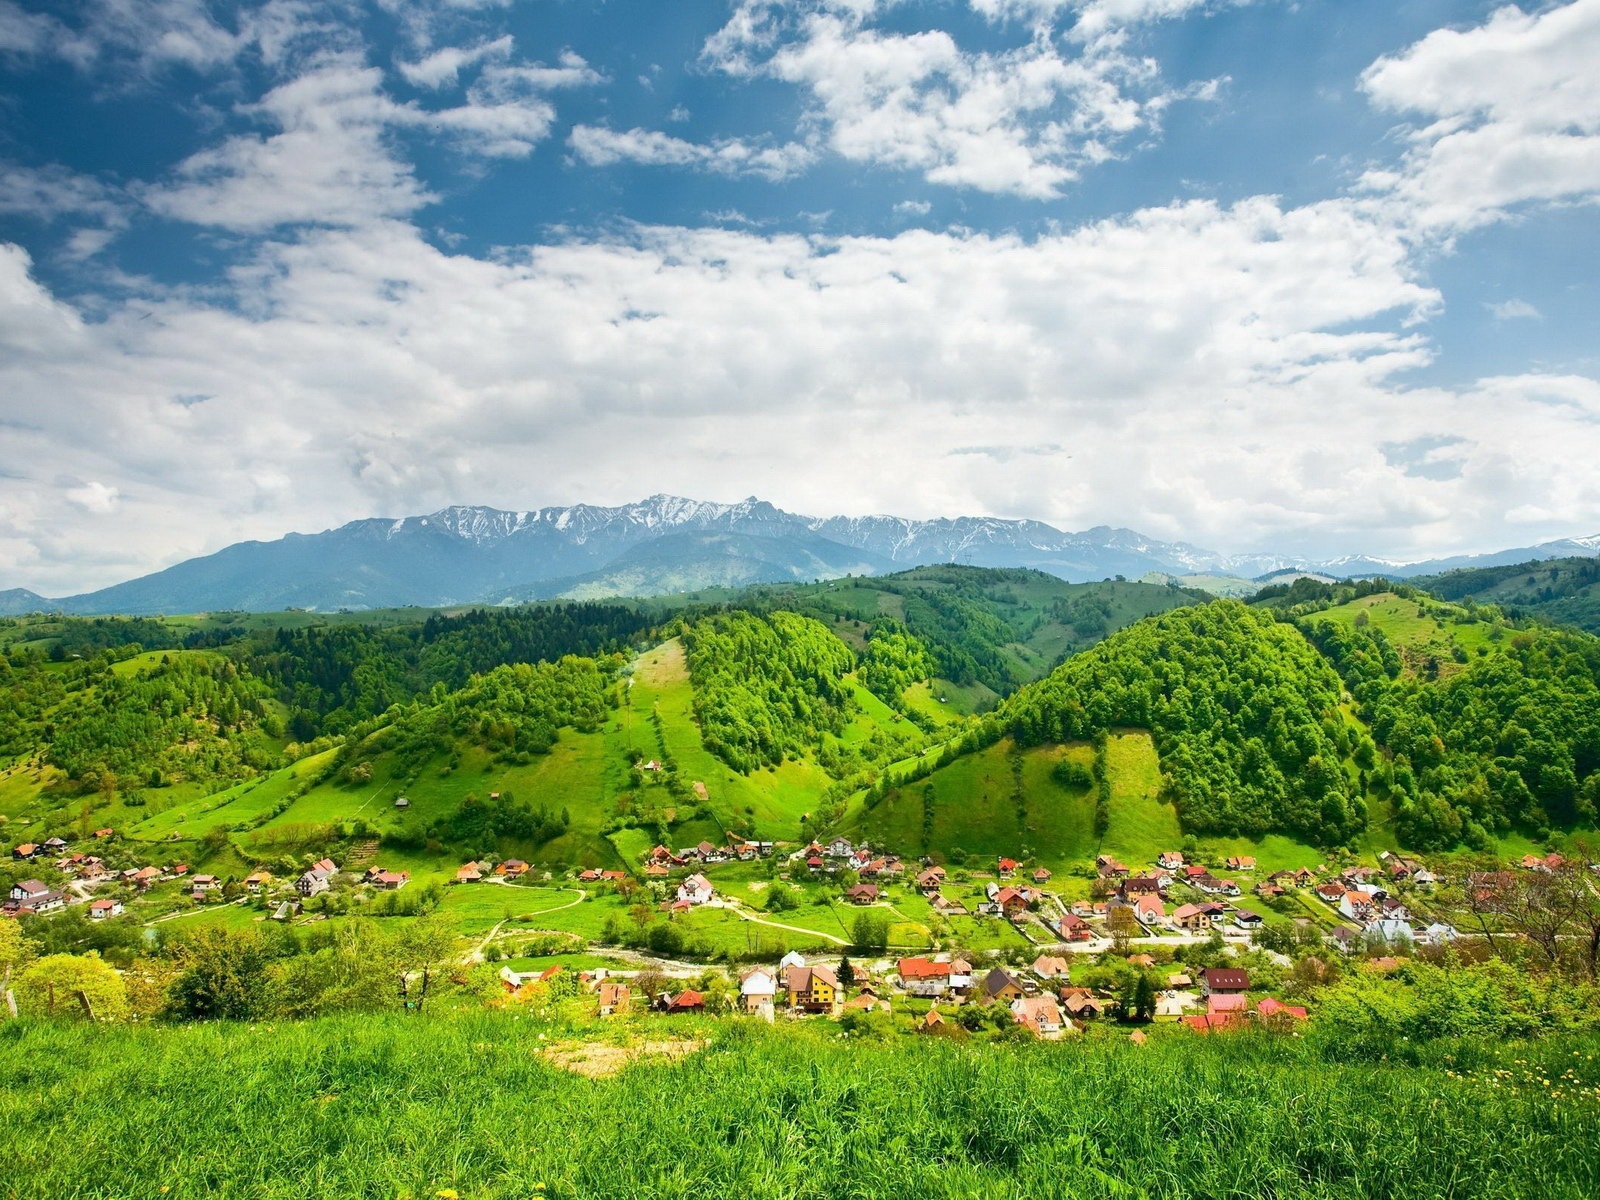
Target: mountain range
[(663, 544)]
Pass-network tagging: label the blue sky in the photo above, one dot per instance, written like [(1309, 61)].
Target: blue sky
[(1313, 276)]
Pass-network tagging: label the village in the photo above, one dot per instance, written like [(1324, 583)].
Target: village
[(1171, 940)]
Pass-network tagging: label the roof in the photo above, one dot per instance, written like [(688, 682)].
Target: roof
[(1228, 978), (923, 968), (1277, 1008), (1236, 1002)]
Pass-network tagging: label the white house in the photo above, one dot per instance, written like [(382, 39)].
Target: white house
[(756, 988), (696, 889)]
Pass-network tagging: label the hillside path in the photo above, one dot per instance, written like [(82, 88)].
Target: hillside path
[(740, 912)]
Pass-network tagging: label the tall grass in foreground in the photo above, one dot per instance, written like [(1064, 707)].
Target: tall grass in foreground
[(387, 1107)]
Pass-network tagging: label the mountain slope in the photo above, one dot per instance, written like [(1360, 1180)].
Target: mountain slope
[(465, 554)]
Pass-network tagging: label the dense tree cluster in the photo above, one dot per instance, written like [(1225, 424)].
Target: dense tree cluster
[(193, 717), (1513, 739), (894, 660), (516, 711), (336, 676), (1243, 709), (767, 687)]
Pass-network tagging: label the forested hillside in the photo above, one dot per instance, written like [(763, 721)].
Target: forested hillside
[(1244, 711), (1563, 591), (767, 687)]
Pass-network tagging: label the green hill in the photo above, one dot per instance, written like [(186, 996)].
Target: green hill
[(1564, 591)]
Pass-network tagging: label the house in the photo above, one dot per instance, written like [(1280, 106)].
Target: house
[(1345, 939), (32, 896), (1548, 863), (1074, 928), (924, 976), (931, 1021), (1224, 981), (592, 875), (1331, 892), (1227, 1002), (1194, 871), (104, 833), (1051, 966), (1216, 887), (614, 998), (756, 988), (1006, 866), (999, 984), (325, 865), (471, 872), (683, 1002), (1245, 919), (839, 848), (1192, 917), (1012, 901), (99, 910), (179, 870), (1040, 1014), (258, 881), (391, 881), (1141, 960), (1171, 860), (930, 880), (312, 883), (863, 893), (1041, 876), (1270, 1009), (1241, 863), (401, 802), (1109, 868), (25, 851), (1150, 910), (1268, 890), (512, 868), (1436, 934), (1139, 885), (286, 910), (1211, 1022), (1081, 1003), (206, 883), (696, 889), (814, 989), (1358, 906)]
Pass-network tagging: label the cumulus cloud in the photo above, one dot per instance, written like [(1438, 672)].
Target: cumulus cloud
[(1512, 111), (444, 65), (598, 146), (1227, 374), (1024, 121)]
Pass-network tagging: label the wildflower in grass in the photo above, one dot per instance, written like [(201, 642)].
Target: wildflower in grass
[(448, 1194)]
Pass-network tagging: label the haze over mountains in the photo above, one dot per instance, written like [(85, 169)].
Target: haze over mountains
[(662, 544)]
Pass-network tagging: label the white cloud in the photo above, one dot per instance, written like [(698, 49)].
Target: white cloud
[(444, 65), (599, 147), (1226, 374), (1025, 120), (1513, 112), (914, 208), (1513, 310), (94, 497), (328, 164)]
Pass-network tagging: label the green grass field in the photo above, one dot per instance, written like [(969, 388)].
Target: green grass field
[(468, 1105)]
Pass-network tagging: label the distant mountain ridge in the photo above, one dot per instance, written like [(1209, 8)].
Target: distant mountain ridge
[(472, 554)]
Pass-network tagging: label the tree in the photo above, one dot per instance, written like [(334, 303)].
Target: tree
[(1144, 999), (846, 973), (62, 985), (870, 933), (1123, 926), (224, 976)]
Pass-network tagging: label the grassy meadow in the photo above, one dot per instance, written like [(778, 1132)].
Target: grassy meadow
[(472, 1105)]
